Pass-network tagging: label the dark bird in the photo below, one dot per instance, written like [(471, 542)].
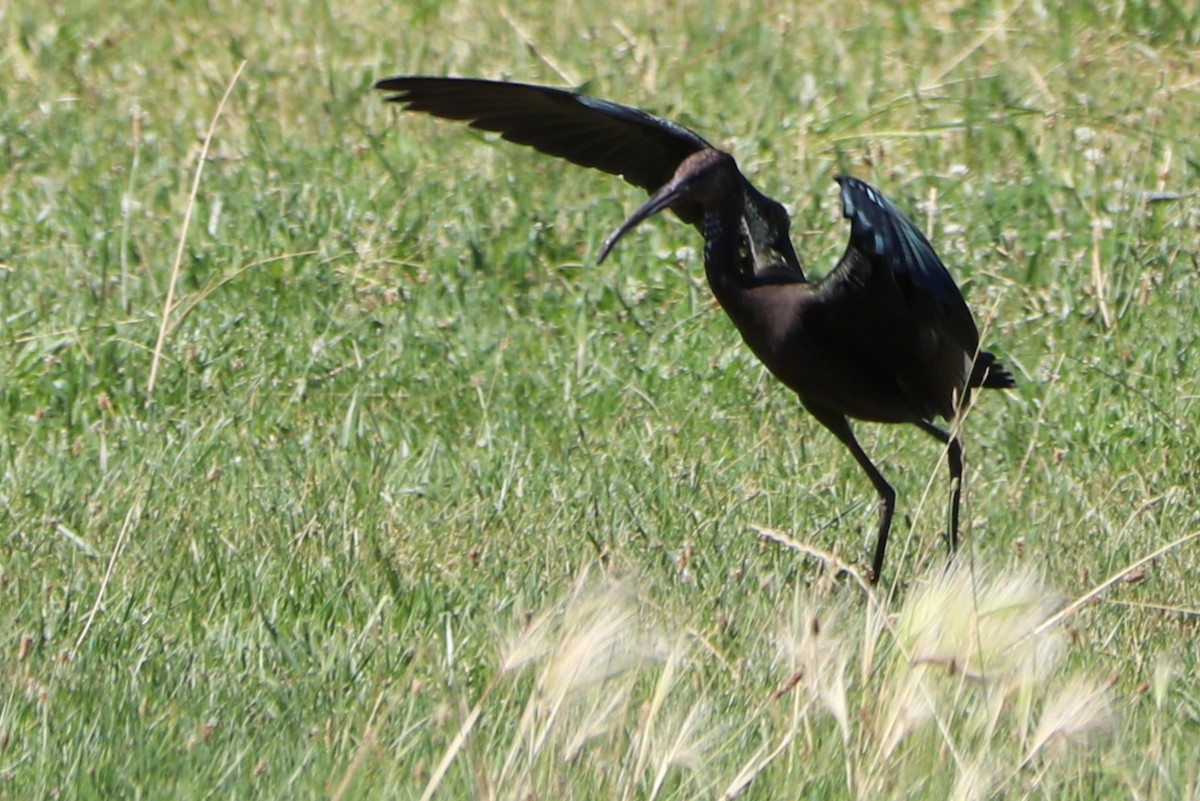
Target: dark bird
[(885, 337)]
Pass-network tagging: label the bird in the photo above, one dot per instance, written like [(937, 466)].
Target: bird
[(883, 337)]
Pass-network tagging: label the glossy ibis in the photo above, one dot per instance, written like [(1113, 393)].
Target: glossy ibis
[(884, 337)]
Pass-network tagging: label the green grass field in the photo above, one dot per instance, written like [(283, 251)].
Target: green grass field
[(352, 476)]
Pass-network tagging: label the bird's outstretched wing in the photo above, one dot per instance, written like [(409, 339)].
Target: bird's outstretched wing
[(623, 141), (641, 148), (881, 232)]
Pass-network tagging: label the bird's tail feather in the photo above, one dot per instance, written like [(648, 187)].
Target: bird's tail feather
[(990, 374)]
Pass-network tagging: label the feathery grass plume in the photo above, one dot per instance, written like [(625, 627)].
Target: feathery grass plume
[(975, 781), (816, 653), (532, 642), (589, 652), (607, 702), (979, 625), (596, 715), (685, 741), (1080, 710), (966, 645), (1164, 671), (651, 711), (600, 639)]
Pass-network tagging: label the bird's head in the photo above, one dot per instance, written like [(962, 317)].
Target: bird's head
[(703, 177)]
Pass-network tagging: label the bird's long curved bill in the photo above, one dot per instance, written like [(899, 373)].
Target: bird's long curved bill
[(659, 201)]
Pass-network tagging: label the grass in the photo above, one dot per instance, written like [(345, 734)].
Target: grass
[(420, 502)]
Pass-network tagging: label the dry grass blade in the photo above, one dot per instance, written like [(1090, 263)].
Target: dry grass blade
[(177, 265), (457, 743), (833, 562), (131, 517), (1087, 597)]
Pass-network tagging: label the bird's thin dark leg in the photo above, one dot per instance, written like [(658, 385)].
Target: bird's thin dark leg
[(840, 426), (955, 460)]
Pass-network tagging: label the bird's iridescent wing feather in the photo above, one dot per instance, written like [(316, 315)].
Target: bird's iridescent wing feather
[(623, 141), (883, 233)]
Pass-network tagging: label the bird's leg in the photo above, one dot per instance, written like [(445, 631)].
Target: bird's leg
[(840, 427), (955, 460)]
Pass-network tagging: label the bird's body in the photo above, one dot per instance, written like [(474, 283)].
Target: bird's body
[(885, 337)]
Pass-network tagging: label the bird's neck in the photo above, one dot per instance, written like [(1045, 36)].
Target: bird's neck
[(757, 292), (735, 260), (730, 269), (728, 262)]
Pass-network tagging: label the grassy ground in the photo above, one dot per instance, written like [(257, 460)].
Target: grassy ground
[(391, 491)]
